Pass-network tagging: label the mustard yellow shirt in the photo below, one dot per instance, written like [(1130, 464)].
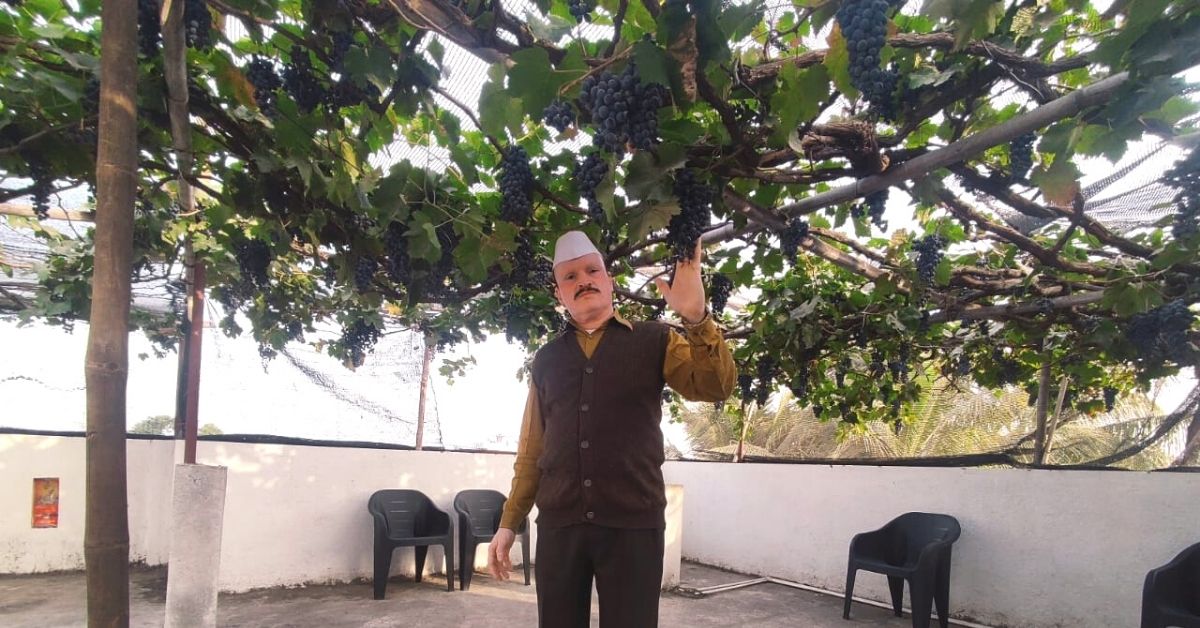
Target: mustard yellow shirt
[(698, 366)]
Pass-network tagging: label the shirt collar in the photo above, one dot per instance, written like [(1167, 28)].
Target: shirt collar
[(616, 316)]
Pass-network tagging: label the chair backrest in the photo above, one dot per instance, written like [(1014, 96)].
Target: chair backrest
[(404, 510), (922, 528), (482, 507), (1179, 580)]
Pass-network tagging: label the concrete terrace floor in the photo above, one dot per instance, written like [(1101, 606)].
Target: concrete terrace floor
[(54, 600)]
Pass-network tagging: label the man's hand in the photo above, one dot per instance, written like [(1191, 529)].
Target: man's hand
[(685, 295), (499, 564)]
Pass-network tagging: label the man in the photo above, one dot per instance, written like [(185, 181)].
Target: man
[(591, 450)]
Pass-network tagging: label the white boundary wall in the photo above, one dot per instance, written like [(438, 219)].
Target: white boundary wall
[(293, 514), (1039, 549)]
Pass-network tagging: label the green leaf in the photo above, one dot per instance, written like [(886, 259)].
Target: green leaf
[(652, 63), (1059, 182), (837, 61), (534, 80), (798, 98), (652, 217)]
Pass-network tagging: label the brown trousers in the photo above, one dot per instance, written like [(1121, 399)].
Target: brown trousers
[(627, 566)]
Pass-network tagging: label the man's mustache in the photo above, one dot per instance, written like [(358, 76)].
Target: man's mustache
[(585, 289)]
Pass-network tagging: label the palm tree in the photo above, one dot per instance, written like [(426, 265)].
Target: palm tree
[(949, 420)]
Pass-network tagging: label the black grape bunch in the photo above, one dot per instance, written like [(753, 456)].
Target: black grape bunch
[(516, 186), (43, 186), (581, 10), (1110, 398), (197, 24), (695, 202), (260, 73), (395, 245), (790, 238), (766, 369), (719, 288), (1020, 155), (623, 109), (530, 269), (1185, 178), (864, 24), (149, 34), (929, 254), (589, 174), (364, 273), (746, 386), (253, 258), (559, 114), (872, 207), (300, 81), (1161, 334), (357, 339)]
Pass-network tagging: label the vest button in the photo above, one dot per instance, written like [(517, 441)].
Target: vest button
[(590, 515), (584, 444), (589, 370), (587, 483), (584, 407)]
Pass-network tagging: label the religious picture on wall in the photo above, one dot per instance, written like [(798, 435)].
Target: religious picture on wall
[(45, 502)]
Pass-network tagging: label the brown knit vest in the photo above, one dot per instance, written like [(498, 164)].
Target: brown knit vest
[(602, 450)]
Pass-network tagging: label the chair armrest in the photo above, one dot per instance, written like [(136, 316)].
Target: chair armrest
[(381, 527), (438, 521), (867, 543), (930, 553)]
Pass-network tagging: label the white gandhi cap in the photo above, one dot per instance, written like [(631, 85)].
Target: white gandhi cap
[(572, 245)]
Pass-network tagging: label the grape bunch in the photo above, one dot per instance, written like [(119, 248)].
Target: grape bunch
[(1185, 177), (799, 384), (872, 207), (581, 10), (1020, 155), (793, 234), (1110, 398), (929, 255), (395, 246), (260, 73), (300, 81), (357, 339), (149, 34), (767, 369), (253, 258), (364, 273), (623, 109), (588, 174), (1161, 334), (746, 386), (559, 115), (719, 287), (529, 269), (864, 25), (43, 185), (341, 42), (695, 200), (516, 186), (197, 22), (1008, 370)]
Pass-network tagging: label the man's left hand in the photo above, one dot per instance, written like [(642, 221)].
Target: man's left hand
[(685, 295)]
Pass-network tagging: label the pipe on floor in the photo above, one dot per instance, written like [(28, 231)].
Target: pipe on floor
[(721, 588)]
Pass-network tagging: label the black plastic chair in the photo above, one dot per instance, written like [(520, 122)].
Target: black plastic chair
[(406, 518), (1171, 595), (915, 547), (478, 520)]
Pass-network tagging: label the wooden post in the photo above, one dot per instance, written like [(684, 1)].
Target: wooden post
[(106, 532), (430, 345), (1043, 403)]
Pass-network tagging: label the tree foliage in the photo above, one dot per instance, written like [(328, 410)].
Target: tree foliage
[(761, 106)]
